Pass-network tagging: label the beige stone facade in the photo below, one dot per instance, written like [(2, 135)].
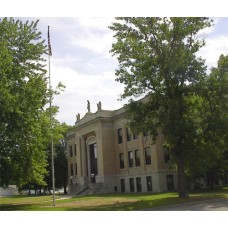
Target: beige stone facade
[(105, 157)]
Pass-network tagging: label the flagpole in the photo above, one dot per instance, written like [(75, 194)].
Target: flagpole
[(51, 127)]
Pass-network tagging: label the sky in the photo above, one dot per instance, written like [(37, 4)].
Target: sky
[(82, 61), (81, 43)]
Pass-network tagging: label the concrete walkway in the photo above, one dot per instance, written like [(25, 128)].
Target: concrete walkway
[(207, 205)]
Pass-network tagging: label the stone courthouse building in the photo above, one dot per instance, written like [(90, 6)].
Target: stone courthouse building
[(105, 157)]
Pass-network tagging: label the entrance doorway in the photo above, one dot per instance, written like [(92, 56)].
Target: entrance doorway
[(93, 161)]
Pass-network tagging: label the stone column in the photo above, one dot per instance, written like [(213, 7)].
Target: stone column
[(84, 174)]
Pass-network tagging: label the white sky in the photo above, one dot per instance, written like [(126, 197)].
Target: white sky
[(80, 51)]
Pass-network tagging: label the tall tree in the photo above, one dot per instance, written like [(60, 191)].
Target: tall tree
[(23, 94), (157, 58), (60, 157)]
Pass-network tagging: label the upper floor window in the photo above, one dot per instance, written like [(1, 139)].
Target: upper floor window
[(135, 136), (137, 158), (120, 135), (75, 150), (166, 154), (76, 169), (130, 159), (129, 134), (71, 170), (121, 156), (148, 155), (71, 151)]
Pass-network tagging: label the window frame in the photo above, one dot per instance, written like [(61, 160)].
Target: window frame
[(130, 159), (120, 135), (132, 184), (121, 160), (137, 159), (138, 184), (149, 183), (148, 159)]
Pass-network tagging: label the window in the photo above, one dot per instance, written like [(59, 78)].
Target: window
[(71, 151), (146, 133), (132, 186), (135, 136), (166, 154), (130, 159), (147, 155), (137, 158), (75, 150), (120, 135), (71, 170), (76, 169), (122, 185), (138, 184), (129, 135), (149, 183), (169, 180), (121, 160)]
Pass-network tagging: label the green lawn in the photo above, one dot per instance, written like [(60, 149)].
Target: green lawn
[(108, 202)]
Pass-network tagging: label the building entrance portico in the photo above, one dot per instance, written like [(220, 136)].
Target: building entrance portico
[(92, 159)]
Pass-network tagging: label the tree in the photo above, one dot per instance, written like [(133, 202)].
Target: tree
[(60, 157), (212, 111), (157, 58), (24, 93)]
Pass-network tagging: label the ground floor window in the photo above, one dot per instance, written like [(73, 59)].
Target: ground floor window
[(122, 185), (169, 180), (132, 186), (138, 184), (149, 183)]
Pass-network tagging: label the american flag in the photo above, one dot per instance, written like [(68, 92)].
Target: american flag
[(49, 44)]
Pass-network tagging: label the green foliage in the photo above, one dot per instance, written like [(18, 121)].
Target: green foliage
[(60, 158), (23, 89), (157, 58)]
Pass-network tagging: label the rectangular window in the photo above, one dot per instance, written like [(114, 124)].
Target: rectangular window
[(135, 136), (122, 185), (132, 186), (137, 158), (166, 154), (71, 170), (130, 159), (75, 150), (76, 169), (71, 151), (149, 183), (146, 133), (169, 180), (147, 155), (138, 184), (121, 156), (120, 135), (129, 135)]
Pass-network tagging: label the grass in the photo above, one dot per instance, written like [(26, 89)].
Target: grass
[(107, 202)]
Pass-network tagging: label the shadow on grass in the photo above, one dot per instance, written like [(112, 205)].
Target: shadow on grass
[(18, 207), (141, 202)]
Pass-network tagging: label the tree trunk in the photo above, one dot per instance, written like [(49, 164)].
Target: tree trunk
[(182, 187)]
